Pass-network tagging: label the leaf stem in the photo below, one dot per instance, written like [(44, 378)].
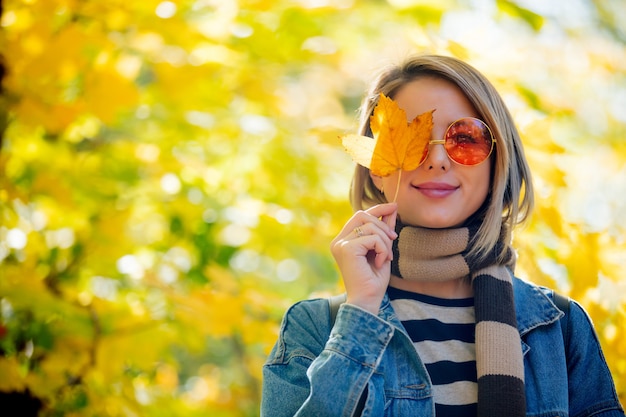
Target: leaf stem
[(395, 196)]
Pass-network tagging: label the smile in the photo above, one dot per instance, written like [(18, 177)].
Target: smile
[(436, 190)]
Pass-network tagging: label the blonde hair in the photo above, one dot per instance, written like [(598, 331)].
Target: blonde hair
[(511, 197)]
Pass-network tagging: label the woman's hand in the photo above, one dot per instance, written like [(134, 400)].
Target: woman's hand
[(363, 251)]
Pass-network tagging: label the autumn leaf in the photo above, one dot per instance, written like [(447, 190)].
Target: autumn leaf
[(397, 144), (360, 148)]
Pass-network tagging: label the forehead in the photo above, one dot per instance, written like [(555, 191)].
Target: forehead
[(428, 93)]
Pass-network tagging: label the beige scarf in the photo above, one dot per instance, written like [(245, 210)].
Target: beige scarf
[(442, 254)]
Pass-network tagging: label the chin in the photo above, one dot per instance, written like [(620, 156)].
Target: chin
[(443, 225), (434, 223)]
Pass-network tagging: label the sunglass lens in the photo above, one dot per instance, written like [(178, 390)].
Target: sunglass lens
[(468, 141)]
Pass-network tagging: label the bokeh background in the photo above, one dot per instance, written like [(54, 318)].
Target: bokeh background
[(171, 177)]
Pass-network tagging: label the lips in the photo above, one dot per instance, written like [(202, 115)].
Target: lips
[(436, 189)]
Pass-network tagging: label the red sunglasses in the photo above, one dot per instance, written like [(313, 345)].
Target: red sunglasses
[(468, 141)]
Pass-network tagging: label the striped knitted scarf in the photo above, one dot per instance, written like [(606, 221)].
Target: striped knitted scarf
[(442, 254)]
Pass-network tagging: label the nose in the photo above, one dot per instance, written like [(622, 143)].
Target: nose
[(437, 157)]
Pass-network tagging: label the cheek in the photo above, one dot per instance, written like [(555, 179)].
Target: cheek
[(380, 182), (389, 183), (482, 182)]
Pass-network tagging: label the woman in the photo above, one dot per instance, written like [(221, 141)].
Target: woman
[(434, 322)]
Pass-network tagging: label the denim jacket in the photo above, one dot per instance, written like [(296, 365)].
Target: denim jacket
[(316, 371)]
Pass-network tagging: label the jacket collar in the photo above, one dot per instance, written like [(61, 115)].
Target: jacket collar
[(533, 306)]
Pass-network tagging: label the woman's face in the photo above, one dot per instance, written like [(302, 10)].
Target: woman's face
[(439, 193)]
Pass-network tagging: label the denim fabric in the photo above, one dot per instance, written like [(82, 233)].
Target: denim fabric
[(309, 373)]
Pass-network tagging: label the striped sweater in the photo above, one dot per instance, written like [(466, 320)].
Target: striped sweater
[(442, 331)]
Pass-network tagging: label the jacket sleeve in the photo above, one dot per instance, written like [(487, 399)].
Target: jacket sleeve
[(314, 371), (591, 388)]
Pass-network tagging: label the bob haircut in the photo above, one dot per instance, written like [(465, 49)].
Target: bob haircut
[(510, 199)]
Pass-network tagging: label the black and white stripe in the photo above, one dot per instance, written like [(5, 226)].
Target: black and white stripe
[(442, 332)]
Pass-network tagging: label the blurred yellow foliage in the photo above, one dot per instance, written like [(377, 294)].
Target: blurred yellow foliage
[(171, 177)]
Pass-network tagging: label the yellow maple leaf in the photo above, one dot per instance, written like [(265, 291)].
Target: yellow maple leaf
[(360, 148), (397, 145)]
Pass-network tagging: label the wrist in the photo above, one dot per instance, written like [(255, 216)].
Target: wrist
[(369, 304)]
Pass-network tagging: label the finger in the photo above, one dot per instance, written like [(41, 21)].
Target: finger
[(374, 248), (390, 219), (371, 229), (381, 210), (384, 227), (383, 251), (358, 231), (381, 260), (385, 215), (355, 226), (361, 257)]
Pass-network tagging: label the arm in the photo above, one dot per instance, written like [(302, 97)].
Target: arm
[(591, 388), (315, 372), (311, 374)]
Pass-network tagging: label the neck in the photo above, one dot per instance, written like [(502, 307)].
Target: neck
[(453, 289)]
